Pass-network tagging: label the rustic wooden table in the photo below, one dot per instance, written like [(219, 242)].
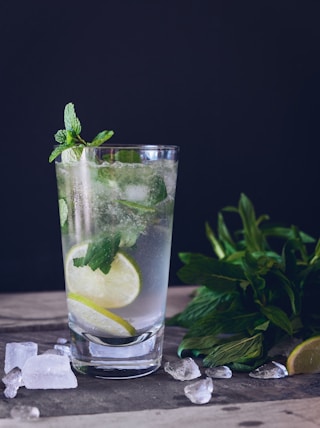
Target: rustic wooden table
[(156, 400)]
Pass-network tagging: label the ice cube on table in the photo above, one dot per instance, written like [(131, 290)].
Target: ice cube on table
[(184, 369), (271, 370), (13, 381), (219, 372), (48, 371), (25, 413), (199, 392), (17, 353)]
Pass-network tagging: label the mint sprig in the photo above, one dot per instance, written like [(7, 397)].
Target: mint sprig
[(70, 138)]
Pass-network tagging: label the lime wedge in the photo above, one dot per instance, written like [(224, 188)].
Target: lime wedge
[(305, 357), (116, 289), (93, 316)]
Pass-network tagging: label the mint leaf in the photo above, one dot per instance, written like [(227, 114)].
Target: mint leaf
[(278, 317), (100, 254), (71, 122), (158, 191), (128, 156), (101, 138), (57, 151), (61, 136), (238, 351)]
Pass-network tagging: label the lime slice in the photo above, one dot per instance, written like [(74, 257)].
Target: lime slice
[(93, 316), (305, 358), (117, 289)]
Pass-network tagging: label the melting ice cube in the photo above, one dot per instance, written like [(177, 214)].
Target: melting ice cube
[(271, 370), (184, 369), (220, 372), (25, 413), (17, 353), (199, 392), (48, 371)]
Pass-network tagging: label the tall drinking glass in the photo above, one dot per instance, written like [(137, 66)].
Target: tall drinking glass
[(116, 208)]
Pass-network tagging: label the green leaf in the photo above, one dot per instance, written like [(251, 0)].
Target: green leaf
[(225, 236), (61, 136), (215, 274), (238, 351), (221, 323), (128, 156), (253, 236), (57, 151), (136, 206), (100, 254), (197, 345), (204, 303), (216, 245), (158, 190), (101, 138), (278, 317), (71, 122)]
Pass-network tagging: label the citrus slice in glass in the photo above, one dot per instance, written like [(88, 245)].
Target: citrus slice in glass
[(305, 357), (95, 317), (116, 289)]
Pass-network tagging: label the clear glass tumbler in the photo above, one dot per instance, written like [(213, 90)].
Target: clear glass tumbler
[(116, 207)]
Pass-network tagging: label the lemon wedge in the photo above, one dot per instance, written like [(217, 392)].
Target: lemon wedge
[(305, 357)]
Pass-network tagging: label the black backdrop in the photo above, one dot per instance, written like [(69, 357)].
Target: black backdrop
[(234, 83)]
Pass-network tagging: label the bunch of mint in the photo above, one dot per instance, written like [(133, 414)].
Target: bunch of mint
[(251, 295)]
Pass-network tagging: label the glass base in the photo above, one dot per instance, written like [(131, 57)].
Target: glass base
[(125, 361)]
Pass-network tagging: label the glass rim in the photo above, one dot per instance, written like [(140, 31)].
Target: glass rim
[(156, 147)]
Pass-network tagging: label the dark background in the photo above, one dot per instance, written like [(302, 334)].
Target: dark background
[(234, 83)]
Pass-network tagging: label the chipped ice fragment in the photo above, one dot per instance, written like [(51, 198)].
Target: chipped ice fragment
[(48, 371), (25, 413), (199, 392), (219, 372), (10, 391), (13, 381), (17, 353), (271, 370), (62, 341), (13, 377), (184, 369), (63, 349)]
